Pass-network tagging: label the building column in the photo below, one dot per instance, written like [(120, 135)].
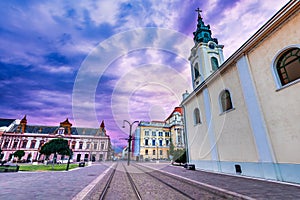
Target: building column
[(213, 143), (260, 134)]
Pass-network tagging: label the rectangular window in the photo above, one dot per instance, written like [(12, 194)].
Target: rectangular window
[(153, 133), (146, 152), (95, 146), (32, 145), (153, 142), (146, 142), (41, 143), (160, 133), (160, 142), (167, 134), (167, 142), (161, 152), (24, 144), (102, 146), (15, 144), (5, 144), (153, 152), (146, 133), (73, 145), (80, 145), (87, 145)]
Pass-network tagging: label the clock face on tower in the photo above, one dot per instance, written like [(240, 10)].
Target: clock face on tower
[(211, 45)]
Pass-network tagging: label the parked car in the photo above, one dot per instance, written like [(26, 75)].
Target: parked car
[(64, 161)]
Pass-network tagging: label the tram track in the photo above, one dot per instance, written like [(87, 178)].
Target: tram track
[(107, 185), (142, 182), (189, 189), (114, 182)]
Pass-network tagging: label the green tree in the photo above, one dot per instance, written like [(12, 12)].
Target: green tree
[(171, 148), (56, 146), (19, 154), (179, 156)]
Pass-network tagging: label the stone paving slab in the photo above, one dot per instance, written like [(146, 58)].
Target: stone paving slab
[(48, 185), (251, 187)]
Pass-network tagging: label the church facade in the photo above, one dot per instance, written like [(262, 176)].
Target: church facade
[(242, 115)]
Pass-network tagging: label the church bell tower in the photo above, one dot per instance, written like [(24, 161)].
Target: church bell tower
[(206, 55)]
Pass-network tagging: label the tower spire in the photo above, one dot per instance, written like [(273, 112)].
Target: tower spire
[(203, 32)]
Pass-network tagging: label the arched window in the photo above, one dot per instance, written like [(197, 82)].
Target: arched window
[(197, 119), (214, 63), (288, 66), (225, 99)]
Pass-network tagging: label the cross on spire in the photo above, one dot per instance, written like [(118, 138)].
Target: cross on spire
[(198, 11)]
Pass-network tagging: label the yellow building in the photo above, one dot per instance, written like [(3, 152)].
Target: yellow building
[(153, 141), (242, 116)]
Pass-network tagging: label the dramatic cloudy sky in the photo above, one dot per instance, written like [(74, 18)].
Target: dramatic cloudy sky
[(109, 59)]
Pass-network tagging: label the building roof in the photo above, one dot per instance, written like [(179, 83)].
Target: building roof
[(44, 129), (176, 109), (53, 130), (6, 122)]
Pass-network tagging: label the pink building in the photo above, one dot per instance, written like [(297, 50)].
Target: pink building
[(89, 144)]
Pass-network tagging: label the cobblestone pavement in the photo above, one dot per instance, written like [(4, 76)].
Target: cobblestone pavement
[(66, 185), (149, 187), (253, 188), (48, 185)]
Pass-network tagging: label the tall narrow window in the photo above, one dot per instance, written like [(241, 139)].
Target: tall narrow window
[(196, 71), (24, 144), (80, 145), (32, 144), (197, 119), (214, 63), (153, 142), (288, 66), (226, 103)]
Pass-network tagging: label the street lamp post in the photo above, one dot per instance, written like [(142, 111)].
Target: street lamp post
[(129, 138)]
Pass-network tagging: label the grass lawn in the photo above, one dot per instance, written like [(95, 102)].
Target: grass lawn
[(61, 167)]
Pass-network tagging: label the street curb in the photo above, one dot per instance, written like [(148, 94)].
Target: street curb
[(83, 193)]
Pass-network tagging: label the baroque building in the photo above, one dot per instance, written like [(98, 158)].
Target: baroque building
[(152, 139), (89, 144), (242, 115)]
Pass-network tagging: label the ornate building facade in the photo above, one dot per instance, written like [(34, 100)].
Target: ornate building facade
[(89, 144), (242, 115), (152, 139)]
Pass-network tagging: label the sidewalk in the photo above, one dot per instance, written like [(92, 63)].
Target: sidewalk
[(249, 187)]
